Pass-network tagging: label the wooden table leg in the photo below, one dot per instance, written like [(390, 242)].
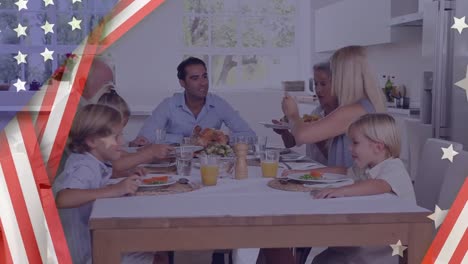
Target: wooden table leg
[(104, 251), (419, 240)]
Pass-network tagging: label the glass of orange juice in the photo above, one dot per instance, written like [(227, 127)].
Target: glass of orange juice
[(209, 168), (269, 163)]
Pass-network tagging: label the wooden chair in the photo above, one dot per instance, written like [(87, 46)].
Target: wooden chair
[(454, 177), (431, 171)]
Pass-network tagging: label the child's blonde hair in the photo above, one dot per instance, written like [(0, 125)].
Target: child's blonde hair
[(114, 100), (353, 80), (92, 121), (379, 128)]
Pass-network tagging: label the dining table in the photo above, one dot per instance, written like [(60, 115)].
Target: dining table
[(243, 214)]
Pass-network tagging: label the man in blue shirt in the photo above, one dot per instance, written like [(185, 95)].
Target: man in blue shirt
[(179, 114)]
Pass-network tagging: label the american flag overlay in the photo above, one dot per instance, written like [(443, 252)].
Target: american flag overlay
[(47, 49), (31, 230)]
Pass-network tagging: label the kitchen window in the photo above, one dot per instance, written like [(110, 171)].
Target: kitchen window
[(247, 44), (62, 41)]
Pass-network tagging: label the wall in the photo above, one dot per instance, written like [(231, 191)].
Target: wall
[(145, 69)]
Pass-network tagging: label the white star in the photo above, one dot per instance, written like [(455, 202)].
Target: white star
[(459, 24), (75, 1), (75, 23), (20, 30), (464, 83), (20, 58), (20, 85), (22, 4), (449, 153), (48, 28), (398, 249), (47, 54), (48, 2), (438, 216)]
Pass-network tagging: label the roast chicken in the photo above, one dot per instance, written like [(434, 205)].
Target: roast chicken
[(208, 136)]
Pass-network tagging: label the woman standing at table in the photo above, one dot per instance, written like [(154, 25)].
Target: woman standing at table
[(358, 93)]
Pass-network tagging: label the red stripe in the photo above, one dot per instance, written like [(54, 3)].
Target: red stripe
[(461, 250), (72, 105), (447, 225), (5, 254), (129, 24), (45, 193), (18, 202)]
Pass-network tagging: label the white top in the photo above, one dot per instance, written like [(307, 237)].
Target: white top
[(392, 171)]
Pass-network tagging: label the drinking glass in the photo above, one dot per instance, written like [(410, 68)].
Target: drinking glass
[(187, 141), (260, 145), (269, 162), (226, 167), (159, 136), (184, 156), (209, 168)]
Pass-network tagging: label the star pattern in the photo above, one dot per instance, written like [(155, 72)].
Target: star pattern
[(449, 153), (438, 216), (20, 58), (48, 2), (48, 28), (20, 30), (47, 54), (464, 83), (75, 23), (398, 249), (20, 85), (459, 24), (22, 4)]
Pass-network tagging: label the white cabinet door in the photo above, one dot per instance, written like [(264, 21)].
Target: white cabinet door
[(352, 22)]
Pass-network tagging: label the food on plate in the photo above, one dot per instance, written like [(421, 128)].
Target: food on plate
[(305, 118), (310, 118), (314, 175), (156, 180), (219, 150), (208, 136)]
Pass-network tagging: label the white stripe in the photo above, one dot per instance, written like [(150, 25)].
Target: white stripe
[(465, 259), (454, 237), (10, 224), (58, 109), (29, 190), (123, 16)]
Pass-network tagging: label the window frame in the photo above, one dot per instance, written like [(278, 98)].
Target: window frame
[(301, 47)]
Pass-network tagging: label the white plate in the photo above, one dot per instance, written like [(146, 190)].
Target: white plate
[(326, 178), (170, 181), (190, 147), (158, 165), (274, 126)]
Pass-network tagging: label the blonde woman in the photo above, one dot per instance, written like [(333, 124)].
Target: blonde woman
[(357, 91), (358, 94)]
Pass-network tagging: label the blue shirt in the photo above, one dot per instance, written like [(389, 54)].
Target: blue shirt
[(175, 117)]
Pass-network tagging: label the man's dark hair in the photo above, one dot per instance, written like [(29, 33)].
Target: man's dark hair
[(181, 74)]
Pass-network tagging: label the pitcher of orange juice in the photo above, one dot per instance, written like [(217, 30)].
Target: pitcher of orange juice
[(269, 163), (209, 168)]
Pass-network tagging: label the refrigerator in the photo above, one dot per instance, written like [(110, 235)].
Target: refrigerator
[(444, 106)]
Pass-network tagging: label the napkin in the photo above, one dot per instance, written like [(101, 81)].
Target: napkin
[(330, 185)]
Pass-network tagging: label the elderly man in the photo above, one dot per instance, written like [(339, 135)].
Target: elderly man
[(179, 114)]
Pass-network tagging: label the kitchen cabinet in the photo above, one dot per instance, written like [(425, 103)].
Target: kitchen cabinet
[(352, 22)]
